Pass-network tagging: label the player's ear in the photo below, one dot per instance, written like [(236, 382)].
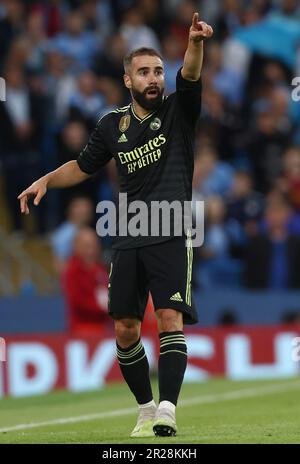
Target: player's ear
[(127, 81)]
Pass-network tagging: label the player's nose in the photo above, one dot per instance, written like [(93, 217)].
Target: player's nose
[(153, 79)]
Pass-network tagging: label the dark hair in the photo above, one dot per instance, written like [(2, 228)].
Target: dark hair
[(139, 52)]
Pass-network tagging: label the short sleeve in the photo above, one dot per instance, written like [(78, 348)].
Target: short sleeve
[(189, 97), (95, 154)]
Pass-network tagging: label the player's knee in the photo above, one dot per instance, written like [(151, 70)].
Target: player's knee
[(169, 320), (127, 332)]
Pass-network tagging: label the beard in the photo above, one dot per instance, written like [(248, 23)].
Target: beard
[(149, 104)]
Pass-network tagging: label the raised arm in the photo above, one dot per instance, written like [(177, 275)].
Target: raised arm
[(193, 58), (65, 176)]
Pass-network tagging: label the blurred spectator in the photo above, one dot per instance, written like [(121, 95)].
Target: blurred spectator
[(210, 9), (272, 259), (180, 24), (275, 72), (86, 102), (60, 83), (229, 18), (53, 12), (223, 76), (119, 7), (265, 76), (243, 203), (19, 53), (97, 16), (289, 182), (293, 222), (71, 141), (79, 214), (290, 8), (266, 145), (21, 123), (216, 264), (211, 176), (154, 14), (172, 61), (280, 99), (254, 12), (113, 95), (135, 32), (38, 41), (74, 138), (223, 121), (11, 25), (85, 284), (75, 43), (109, 62)]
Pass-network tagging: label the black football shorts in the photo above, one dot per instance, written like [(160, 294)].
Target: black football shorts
[(164, 269)]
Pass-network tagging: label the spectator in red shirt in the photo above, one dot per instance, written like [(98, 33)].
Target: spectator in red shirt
[(289, 183), (85, 284)]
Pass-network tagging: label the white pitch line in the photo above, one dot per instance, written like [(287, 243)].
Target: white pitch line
[(244, 393), (205, 399), (70, 420)]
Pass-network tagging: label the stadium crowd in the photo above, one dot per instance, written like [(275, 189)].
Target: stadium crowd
[(62, 63)]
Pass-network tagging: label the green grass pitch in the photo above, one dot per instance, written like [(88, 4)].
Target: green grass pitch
[(216, 411)]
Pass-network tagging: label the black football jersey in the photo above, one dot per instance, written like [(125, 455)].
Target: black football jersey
[(154, 155)]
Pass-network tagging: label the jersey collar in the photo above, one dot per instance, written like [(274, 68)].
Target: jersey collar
[(141, 120)]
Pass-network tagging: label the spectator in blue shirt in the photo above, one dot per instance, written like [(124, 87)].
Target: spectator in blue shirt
[(272, 259), (77, 44), (79, 214)]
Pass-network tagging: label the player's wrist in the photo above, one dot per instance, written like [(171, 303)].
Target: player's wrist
[(47, 179), (196, 40)]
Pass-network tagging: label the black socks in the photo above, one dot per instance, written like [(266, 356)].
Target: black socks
[(171, 366), (135, 369)]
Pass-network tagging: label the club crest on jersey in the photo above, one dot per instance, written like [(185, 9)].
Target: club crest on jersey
[(155, 124), (124, 123)]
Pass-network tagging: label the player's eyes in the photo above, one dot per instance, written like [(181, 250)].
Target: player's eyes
[(157, 73)]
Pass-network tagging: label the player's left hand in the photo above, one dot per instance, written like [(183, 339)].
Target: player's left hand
[(199, 30)]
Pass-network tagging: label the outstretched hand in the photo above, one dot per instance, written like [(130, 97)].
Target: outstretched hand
[(37, 190), (199, 30)]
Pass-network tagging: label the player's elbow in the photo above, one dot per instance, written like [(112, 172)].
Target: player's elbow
[(80, 173), (190, 74)]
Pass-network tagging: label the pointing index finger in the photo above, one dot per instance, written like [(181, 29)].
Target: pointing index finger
[(195, 20)]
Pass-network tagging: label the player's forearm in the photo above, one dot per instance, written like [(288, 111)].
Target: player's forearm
[(67, 175), (193, 60)]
